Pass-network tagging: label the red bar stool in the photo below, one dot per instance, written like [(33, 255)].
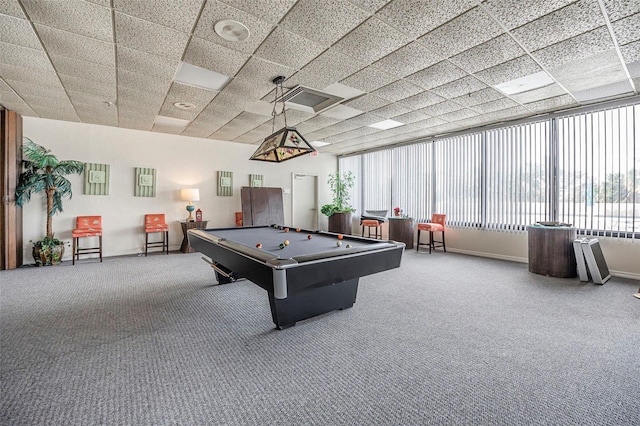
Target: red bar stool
[(87, 226), (369, 223), (238, 218), (156, 223), (436, 225)]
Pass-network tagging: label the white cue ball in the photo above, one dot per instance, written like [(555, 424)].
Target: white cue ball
[(338, 243)]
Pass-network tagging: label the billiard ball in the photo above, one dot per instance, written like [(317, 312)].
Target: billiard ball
[(281, 246), (259, 245), (348, 245), (286, 229), (340, 236), (309, 237), (338, 243), (297, 229), (286, 242)]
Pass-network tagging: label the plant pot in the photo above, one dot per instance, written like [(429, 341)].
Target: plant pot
[(340, 223), (48, 256)]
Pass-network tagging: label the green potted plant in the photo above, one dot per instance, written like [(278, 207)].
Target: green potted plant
[(43, 172), (339, 211)]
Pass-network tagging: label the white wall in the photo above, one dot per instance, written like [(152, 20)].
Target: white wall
[(180, 162)]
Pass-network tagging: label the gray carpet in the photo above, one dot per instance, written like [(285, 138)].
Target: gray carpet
[(446, 339)]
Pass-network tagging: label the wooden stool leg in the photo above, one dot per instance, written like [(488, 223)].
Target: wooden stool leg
[(73, 252), (166, 235), (418, 245), (430, 241), (146, 243), (443, 244), (100, 240)]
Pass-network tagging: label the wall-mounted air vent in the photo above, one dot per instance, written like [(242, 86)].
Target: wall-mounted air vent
[(309, 100)]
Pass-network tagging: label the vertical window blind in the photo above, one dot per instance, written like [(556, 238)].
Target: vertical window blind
[(457, 182), (582, 169), (516, 176), (598, 172)]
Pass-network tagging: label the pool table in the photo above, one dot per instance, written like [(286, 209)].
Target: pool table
[(310, 276)]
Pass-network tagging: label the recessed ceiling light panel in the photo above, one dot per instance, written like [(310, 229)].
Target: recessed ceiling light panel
[(200, 77), (231, 30), (319, 143), (386, 124), (526, 83), (171, 121)]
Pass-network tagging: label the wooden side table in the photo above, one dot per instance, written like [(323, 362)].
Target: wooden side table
[(551, 250), (185, 247), (401, 229)]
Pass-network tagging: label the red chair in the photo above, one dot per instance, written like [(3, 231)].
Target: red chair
[(437, 224), (238, 218), (156, 223), (369, 223), (87, 226)]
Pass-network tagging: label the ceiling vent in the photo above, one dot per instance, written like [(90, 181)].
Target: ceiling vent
[(309, 100)]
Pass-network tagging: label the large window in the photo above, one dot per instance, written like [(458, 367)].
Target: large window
[(582, 169)]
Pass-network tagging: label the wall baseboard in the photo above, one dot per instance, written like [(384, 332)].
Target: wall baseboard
[(620, 274)]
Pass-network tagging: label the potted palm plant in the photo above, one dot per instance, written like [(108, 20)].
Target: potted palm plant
[(43, 172), (340, 210)]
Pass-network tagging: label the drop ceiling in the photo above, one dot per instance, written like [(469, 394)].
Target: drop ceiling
[(436, 66)]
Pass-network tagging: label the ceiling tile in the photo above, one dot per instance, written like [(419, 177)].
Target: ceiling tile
[(86, 99), (149, 37), (75, 46), (370, 6), (397, 90), (212, 56), (105, 3), (146, 63), (179, 15), (441, 108), (546, 92), (509, 70), (261, 73), (493, 52), (572, 20), (55, 92), (408, 59), (78, 84), (631, 52), (601, 91), (319, 23), (368, 79), (142, 82), (284, 47), (463, 86), (270, 11), (576, 48), (479, 97), (173, 130), (462, 33), (11, 101), (316, 122), (496, 105), (436, 75), (618, 9), (551, 104), (19, 56), (514, 13), (184, 93), (458, 115), (57, 112), (627, 30), (103, 116), (421, 100), (78, 17), (391, 110), (604, 67), (198, 130), (328, 68), (417, 17), (133, 99), (215, 11), (410, 117), (11, 8), (371, 41), (30, 75), (83, 69), (367, 102), (18, 31)]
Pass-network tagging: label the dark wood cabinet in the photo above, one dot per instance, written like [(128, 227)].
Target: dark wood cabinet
[(551, 250), (185, 247), (262, 206), (401, 230)]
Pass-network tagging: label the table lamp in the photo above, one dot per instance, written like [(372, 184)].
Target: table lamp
[(190, 195)]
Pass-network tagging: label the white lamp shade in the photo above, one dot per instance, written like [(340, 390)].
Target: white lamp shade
[(190, 194)]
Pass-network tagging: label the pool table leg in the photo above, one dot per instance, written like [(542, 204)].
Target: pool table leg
[(313, 302)]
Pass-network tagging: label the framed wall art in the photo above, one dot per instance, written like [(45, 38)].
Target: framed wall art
[(96, 179)]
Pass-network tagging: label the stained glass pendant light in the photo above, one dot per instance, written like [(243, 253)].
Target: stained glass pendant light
[(286, 143)]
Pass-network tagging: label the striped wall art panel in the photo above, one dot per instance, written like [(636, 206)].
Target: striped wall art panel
[(145, 182), (256, 181), (96, 179), (225, 184)]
